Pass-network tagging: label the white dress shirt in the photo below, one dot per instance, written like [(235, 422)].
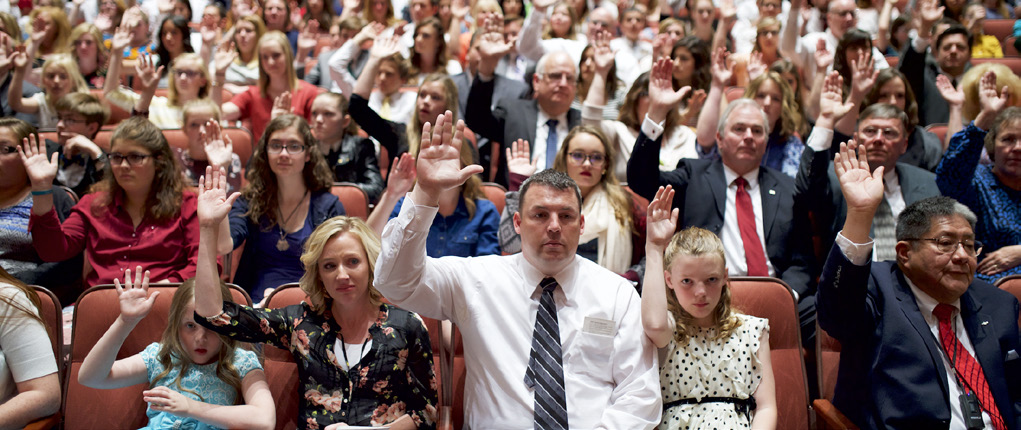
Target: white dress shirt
[(632, 59), (733, 245), (610, 367), (859, 254), (402, 104), (542, 132)]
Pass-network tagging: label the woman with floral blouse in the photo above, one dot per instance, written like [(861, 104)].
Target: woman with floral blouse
[(360, 362)]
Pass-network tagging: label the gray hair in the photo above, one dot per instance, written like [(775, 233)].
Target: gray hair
[(549, 178), (540, 67), (740, 104), (1009, 116), (885, 111), (916, 220)]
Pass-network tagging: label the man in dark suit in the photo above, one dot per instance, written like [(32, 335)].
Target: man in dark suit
[(882, 128), (543, 121), (951, 54), (503, 89), (924, 344), (765, 231)]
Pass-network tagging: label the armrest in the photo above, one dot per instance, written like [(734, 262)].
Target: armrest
[(445, 421), (829, 417), (44, 423)]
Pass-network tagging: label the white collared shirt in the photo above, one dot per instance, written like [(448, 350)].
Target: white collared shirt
[(542, 132), (610, 368), (402, 104), (858, 254), (733, 245)]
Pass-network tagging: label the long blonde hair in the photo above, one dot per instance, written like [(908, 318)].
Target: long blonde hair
[(68, 64), (172, 355), (699, 242), (311, 283), (21, 311), (285, 45)]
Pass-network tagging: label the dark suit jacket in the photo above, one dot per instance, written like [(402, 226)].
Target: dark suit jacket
[(508, 121), (701, 196), (319, 75), (891, 374), (817, 185), (503, 89), (922, 70), (356, 162)]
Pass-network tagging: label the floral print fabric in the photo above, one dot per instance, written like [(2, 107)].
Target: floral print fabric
[(395, 377)]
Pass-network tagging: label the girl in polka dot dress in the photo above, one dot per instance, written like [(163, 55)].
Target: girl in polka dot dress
[(715, 369)]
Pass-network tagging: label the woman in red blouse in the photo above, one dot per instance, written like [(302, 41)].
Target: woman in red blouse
[(278, 88), (139, 214)]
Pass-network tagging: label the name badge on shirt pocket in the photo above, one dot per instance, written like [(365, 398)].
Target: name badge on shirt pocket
[(599, 326)]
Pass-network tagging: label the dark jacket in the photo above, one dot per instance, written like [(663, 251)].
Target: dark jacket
[(356, 162)]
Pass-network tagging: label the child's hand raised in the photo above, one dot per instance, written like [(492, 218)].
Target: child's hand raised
[(166, 400), (661, 221), (134, 296)]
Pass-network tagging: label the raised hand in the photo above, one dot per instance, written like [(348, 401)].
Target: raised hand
[(282, 105), (863, 76), (662, 96), (40, 169), (862, 188), (39, 29), (602, 55), (133, 295), (213, 202), (385, 47), (823, 56), (121, 38), (218, 146), (147, 72), (402, 175), (296, 13), (541, 5), (224, 57), (19, 58), (728, 12), (695, 103), (756, 67), (518, 159), (103, 22), (164, 399), (309, 36), (721, 73), (1005, 258), (831, 101), (988, 98), (439, 159), (210, 33), (661, 221), (352, 5), (369, 32), (459, 9), (492, 43), (929, 11), (953, 96)]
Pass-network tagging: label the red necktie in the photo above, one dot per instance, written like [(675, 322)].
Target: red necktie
[(966, 366), (755, 256)]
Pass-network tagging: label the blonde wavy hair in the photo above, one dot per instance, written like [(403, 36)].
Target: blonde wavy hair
[(67, 63), (699, 242), (311, 283)]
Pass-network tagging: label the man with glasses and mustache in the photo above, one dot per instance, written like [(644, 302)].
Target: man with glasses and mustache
[(544, 120), (923, 344), (882, 130)]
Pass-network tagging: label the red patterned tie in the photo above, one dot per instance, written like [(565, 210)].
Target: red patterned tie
[(966, 365), (754, 255)]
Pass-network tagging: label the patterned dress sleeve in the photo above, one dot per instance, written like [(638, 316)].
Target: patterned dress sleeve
[(245, 361), (420, 368), (247, 324)]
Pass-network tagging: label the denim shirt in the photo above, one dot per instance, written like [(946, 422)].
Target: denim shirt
[(456, 235)]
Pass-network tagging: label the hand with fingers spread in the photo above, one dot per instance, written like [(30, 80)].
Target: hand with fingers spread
[(863, 76), (282, 105), (953, 96), (213, 202), (661, 221), (19, 59), (224, 57), (492, 43), (218, 146), (832, 106), (756, 67), (862, 188), (309, 36), (721, 73), (439, 159), (602, 54), (695, 104), (133, 296), (662, 96), (992, 101), (164, 399), (40, 169), (518, 159), (385, 47), (402, 175), (210, 33), (929, 11), (39, 29), (147, 72), (121, 38), (823, 56)]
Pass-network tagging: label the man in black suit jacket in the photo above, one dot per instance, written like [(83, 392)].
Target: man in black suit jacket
[(554, 86), (897, 321), (951, 55), (882, 128), (705, 195)]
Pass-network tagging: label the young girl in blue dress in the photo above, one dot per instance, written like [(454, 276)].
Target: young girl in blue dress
[(715, 368), (195, 376)]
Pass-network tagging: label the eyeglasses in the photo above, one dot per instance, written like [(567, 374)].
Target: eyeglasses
[(888, 133), (948, 245), (134, 159), (70, 121), (9, 149), (842, 12), (191, 74), (292, 148), (560, 76), (579, 158)]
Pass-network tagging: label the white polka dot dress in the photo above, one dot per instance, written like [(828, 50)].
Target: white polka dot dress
[(711, 368)]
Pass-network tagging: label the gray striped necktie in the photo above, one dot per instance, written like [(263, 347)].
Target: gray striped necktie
[(884, 229), (545, 372)]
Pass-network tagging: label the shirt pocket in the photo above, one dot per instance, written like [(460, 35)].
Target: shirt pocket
[(594, 353), (464, 244)]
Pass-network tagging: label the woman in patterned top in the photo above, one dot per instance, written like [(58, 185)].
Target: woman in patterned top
[(360, 361)]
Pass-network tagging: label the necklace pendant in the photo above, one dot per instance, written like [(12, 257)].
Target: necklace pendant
[(282, 244)]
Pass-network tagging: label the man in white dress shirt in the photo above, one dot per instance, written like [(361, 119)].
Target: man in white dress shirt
[(609, 369)]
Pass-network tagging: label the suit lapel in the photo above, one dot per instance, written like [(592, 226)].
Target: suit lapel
[(718, 185), (909, 306), (910, 190), (770, 202), (531, 116)]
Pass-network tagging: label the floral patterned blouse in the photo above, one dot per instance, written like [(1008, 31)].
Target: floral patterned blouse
[(395, 377)]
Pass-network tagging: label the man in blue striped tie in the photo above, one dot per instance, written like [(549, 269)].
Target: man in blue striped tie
[(551, 340)]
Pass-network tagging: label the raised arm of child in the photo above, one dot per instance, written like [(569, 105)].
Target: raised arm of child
[(661, 222), (20, 60), (213, 206)]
